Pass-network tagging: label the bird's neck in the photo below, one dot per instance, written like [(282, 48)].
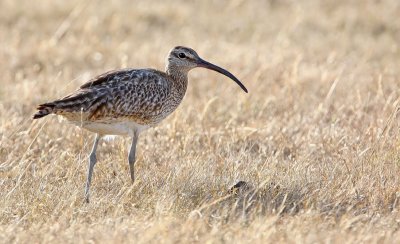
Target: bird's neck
[(179, 77)]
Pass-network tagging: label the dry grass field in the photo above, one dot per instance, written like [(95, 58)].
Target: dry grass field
[(316, 139)]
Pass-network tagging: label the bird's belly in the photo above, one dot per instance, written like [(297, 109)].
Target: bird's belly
[(115, 128)]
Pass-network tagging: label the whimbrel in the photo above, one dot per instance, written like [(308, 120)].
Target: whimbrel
[(128, 101)]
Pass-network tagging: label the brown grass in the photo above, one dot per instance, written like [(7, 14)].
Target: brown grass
[(316, 138)]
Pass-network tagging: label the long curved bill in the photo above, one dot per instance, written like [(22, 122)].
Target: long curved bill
[(208, 65)]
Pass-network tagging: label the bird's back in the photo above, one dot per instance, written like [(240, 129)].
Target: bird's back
[(138, 95)]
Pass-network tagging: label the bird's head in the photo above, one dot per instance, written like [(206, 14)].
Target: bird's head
[(183, 59)]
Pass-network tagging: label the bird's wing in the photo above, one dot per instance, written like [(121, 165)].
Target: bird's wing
[(138, 95), (130, 94), (107, 77)]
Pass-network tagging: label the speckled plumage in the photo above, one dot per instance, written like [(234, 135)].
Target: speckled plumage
[(128, 101), (144, 96)]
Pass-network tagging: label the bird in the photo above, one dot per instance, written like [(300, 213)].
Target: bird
[(126, 102)]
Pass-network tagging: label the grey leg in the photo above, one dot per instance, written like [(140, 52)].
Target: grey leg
[(132, 155), (92, 162)]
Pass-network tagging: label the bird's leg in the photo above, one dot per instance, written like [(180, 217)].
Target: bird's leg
[(92, 162), (132, 155)]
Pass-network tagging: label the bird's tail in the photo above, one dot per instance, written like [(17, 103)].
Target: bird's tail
[(43, 110), (78, 102)]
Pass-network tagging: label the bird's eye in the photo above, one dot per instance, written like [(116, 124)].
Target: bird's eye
[(181, 55)]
